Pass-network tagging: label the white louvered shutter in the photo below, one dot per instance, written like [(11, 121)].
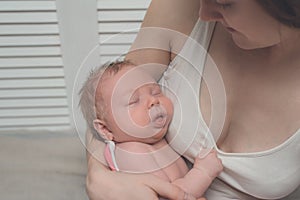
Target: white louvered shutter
[(118, 22), (42, 44), (32, 85)]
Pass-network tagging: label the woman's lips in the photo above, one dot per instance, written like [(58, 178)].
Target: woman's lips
[(231, 30)]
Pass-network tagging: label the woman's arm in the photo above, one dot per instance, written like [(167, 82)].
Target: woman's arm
[(163, 32), (103, 184)]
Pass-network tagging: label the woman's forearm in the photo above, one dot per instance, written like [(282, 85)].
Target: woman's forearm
[(103, 184), (96, 172)]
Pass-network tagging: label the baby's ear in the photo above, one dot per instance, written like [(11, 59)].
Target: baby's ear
[(102, 129)]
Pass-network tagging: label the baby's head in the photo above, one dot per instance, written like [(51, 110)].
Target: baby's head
[(122, 102)]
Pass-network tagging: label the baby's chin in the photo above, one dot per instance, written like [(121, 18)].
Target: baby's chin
[(160, 135), (155, 137)]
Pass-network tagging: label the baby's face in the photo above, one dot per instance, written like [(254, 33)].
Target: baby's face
[(137, 108)]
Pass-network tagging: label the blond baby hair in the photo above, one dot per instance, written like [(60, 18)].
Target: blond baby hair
[(91, 109)]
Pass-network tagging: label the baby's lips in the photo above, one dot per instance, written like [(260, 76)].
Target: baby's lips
[(156, 111)]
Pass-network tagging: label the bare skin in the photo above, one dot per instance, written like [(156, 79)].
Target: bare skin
[(130, 96), (247, 75), (262, 92), (262, 86)]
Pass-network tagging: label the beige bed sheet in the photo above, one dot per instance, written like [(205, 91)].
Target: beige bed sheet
[(42, 166)]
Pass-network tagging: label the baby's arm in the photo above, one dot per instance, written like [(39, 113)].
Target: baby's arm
[(136, 157), (198, 179)]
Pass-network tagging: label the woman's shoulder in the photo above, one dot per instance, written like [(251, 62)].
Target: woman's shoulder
[(162, 22), (178, 15)]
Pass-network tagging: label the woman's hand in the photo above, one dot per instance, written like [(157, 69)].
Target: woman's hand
[(103, 184)]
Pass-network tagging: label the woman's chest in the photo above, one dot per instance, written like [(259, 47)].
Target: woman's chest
[(262, 101)]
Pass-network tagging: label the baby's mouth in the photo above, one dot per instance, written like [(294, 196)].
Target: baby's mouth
[(160, 120), (158, 116)]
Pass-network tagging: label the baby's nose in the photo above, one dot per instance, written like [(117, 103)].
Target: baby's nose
[(153, 101)]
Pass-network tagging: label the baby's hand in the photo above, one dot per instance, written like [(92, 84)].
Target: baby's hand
[(210, 164)]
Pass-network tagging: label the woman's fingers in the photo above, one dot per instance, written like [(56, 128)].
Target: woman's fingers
[(168, 190)]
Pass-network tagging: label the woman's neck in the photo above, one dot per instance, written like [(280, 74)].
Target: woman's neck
[(287, 49)]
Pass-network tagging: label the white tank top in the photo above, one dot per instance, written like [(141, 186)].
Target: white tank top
[(271, 174)]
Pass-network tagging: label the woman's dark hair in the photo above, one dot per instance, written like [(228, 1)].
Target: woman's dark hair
[(285, 11)]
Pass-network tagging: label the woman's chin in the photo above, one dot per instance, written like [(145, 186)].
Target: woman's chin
[(248, 45)]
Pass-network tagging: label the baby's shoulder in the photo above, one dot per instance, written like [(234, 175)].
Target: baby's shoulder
[(135, 157)]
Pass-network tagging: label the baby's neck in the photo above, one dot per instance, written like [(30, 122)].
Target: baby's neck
[(152, 147)]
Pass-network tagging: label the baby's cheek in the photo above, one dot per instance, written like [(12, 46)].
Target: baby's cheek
[(168, 105), (140, 119)]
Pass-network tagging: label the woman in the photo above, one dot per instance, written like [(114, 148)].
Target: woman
[(255, 45)]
